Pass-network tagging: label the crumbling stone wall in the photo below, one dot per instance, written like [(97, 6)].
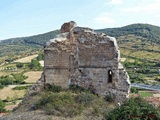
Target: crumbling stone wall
[(81, 56)]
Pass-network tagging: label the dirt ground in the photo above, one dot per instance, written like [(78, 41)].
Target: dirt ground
[(156, 95)]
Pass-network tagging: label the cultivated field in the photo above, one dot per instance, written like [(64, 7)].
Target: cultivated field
[(26, 59), (33, 76), (12, 94)]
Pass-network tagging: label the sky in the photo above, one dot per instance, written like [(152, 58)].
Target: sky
[(20, 18)]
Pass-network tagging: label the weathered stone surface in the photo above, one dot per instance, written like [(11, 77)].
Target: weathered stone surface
[(86, 58), (66, 27)]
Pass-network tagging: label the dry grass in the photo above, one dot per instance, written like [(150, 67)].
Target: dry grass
[(156, 95), (26, 59), (122, 59), (8, 92), (33, 76)]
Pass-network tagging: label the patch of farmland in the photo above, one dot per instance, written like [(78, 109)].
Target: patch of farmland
[(13, 94), (33, 76), (26, 59)]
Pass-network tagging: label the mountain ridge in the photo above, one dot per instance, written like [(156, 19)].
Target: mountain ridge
[(148, 31), (140, 36), (144, 30)]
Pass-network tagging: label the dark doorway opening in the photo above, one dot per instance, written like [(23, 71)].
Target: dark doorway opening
[(110, 76)]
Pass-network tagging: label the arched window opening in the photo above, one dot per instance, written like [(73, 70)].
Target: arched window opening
[(110, 76)]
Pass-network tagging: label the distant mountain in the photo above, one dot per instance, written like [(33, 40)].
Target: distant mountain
[(150, 32), (14, 48), (135, 36), (40, 39)]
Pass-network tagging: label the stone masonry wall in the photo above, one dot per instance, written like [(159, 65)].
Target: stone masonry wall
[(86, 58)]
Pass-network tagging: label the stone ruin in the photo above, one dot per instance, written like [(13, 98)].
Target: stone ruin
[(88, 59)]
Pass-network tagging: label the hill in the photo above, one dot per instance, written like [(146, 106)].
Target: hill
[(142, 38), (14, 48), (40, 39), (150, 32), (76, 103)]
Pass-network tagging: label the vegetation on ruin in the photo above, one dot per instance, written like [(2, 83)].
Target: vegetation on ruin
[(76, 101), (71, 102)]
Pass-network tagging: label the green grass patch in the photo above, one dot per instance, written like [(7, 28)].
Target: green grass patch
[(145, 94), (22, 87)]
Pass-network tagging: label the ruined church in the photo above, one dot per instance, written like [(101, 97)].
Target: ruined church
[(81, 56)]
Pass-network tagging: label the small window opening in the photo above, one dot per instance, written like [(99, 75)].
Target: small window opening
[(80, 70), (110, 76)]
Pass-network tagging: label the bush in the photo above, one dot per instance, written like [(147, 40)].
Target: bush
[(85, 99), (53, 88), (59, 104), (79, 89), (157, 64), (110, 97), (19, 78), (134, 107), (35, 65), (2, 105), (40, 56), (19, 65), (6, 80), (1, 86), (21, 87), (76, 88), (134, 90)]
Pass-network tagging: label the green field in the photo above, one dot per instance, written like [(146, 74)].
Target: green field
[(145, 94)]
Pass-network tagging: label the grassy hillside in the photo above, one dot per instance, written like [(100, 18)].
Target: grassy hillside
[(40, 39), (11, 49), (76, 103), (137, 40), (150, 32)]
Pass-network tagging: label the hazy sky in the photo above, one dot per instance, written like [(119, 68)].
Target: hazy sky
[(30, 17)]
